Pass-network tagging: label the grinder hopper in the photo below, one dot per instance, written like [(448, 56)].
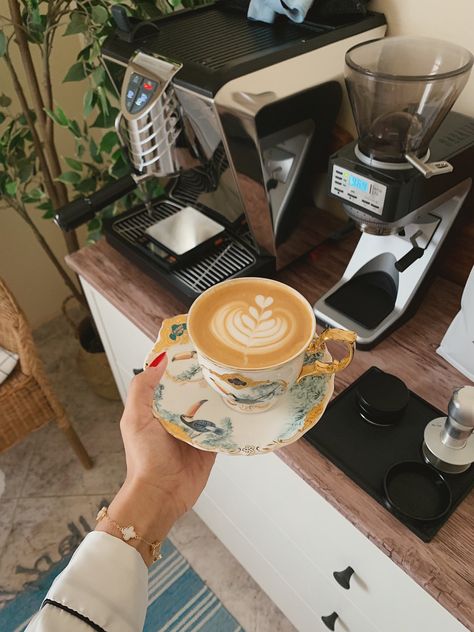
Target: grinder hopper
[(401, 89)]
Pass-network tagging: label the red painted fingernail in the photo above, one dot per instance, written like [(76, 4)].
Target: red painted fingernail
[(157, 360)]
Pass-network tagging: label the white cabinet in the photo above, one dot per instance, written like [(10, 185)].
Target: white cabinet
[(125, 345), (291, 540), (284, 533)]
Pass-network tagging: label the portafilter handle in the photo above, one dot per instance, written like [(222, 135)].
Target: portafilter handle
[(83, 209), (459, 423)]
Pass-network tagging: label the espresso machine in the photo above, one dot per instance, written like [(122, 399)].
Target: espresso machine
[(235, 117), (403, 182)]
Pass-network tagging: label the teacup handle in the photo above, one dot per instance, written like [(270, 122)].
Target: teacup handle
[(317, 344)]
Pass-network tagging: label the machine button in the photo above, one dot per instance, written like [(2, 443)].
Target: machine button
[(143, 95), (132, 89)]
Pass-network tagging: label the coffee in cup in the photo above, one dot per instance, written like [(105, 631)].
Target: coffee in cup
[(251, 336)]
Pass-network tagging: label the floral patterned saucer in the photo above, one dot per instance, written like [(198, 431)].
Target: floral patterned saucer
[(193, 412)]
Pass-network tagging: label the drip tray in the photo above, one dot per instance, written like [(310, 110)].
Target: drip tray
[(233, 257), (380, 458)]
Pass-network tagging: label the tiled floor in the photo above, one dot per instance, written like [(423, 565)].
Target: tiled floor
[(49, 501)]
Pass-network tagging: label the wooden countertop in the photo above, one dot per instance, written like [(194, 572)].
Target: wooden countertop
[(444, 567)]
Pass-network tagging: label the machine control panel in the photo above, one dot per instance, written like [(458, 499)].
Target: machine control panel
[(357, 189), (139, 92)]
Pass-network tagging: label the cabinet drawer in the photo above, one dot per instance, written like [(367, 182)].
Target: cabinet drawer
[(276, 563), (386, 595)]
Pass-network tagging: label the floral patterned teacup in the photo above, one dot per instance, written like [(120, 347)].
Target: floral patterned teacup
[(253, 390)]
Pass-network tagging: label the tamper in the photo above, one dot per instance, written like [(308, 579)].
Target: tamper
[(449, 441)]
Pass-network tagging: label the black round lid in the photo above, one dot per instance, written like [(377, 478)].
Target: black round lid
[(417, 491), (382, 398)]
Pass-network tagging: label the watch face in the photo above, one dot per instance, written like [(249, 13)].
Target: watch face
[(184, 231)]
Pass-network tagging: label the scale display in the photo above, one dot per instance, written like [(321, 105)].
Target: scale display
[(356, 189)]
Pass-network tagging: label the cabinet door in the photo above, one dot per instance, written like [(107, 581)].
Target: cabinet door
[(281, 568), (386, 596), (125, 345)]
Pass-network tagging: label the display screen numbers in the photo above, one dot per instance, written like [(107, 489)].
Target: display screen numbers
[(358, 183)]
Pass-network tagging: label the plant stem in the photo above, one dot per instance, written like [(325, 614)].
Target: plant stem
[(60, 197)]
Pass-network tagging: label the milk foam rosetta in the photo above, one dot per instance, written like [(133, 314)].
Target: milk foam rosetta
[(250, 323)]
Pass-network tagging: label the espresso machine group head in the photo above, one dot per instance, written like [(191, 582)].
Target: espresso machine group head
[(235, 116), (403, 182)]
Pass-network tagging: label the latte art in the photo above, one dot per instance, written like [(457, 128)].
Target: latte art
[(242, 327), (250, 323)]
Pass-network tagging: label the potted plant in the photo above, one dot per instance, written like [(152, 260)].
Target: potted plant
[(33, 177)]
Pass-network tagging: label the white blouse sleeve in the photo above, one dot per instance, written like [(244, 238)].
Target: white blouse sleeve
[(103, 588)]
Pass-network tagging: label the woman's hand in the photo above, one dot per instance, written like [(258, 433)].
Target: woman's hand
[(164, 476)]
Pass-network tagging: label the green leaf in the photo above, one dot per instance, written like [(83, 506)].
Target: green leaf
[(108, 142), (25, 168), (118, 153), (44, 206), (33, 196), (93, 236), (74, 164), (88, 103), (4, 101), (85, 53), (80, 150), (77, 24), (105, 121), (77, 72), (58, 116), (75, 129), (69, 177), (3, 44), (98, 75), (99, 14), (104, 104), (37, 194), (94, 151), (49, 214), (120, 168), (35, 16), (87, 185), (48, 209), (10, 188), (94, 224), (2, 117)]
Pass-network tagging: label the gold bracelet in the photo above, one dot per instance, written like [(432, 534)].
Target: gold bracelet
[(129, 533)]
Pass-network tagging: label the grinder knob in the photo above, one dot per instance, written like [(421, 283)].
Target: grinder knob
[(460, 420)]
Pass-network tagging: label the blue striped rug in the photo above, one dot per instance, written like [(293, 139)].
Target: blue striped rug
[(179, 601)]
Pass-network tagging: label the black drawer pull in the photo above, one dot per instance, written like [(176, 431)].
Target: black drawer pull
[(330, 620), (343, 578)]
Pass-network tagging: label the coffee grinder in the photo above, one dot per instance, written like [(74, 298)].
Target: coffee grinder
[(403, 182)]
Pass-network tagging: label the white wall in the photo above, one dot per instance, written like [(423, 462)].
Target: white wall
[(449, 20)]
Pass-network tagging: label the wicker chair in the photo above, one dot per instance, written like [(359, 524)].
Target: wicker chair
[(27, 401)]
